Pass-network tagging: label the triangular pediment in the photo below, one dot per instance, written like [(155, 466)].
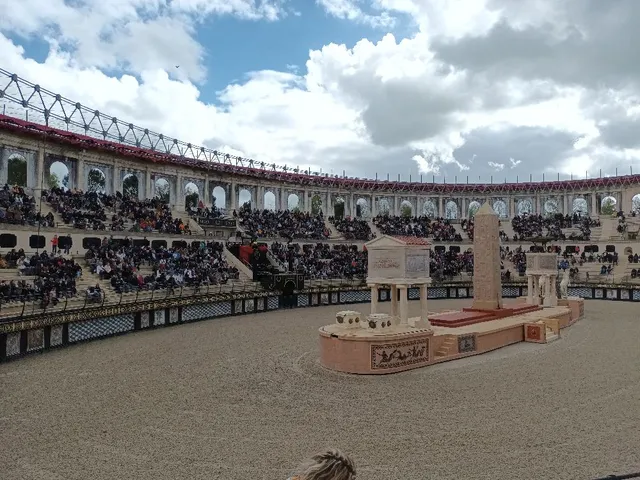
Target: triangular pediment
[(385, 241)]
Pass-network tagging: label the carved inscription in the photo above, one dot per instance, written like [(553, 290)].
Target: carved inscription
[(393, 355), (417, 264), (385, 263), (548, 263)]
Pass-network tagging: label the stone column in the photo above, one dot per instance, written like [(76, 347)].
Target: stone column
[(40, 180), (352, 207), (116, 179), (374, 298), (394, 301), (553, 296), (594, 205), (207, 194), (80, 174), (440, 211), (530, 290), (424, 310), (373, 206), (404, 310), (147, 184), (487, 284), (396, 205), (327, 208), (179, 202), (233, 197)]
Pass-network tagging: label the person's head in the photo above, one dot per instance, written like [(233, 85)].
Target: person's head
[(329, 465)]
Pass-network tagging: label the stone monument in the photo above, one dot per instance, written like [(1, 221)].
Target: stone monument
[(487, 284), (542, 270)]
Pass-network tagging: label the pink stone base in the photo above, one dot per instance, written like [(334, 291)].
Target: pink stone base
[(470, 316)]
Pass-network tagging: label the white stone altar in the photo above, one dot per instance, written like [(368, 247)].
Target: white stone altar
[(399, 262), (542, 270)]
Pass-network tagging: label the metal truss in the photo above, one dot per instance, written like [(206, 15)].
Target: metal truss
[(61, 120)]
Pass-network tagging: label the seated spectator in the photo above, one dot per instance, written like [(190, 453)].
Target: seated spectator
[(94, 294), (321, 261), (18, 208), (440, 229), (329, 465), (81, 210), (352, 228), (283, 224)]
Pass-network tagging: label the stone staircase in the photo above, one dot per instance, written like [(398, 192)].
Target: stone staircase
[(608, 230), (374, 229), (446, 347), (551, 335), (245, 272), (333, 233), (195, 228)]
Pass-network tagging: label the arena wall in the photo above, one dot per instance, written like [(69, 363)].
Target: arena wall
[(30, 334)]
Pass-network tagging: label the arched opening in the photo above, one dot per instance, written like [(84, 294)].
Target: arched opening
[(524, 206), (269, 201), (362, 208), (429, 209), (316, 205), (406, 209), (219, 197), (451, 210), (191, 195), (383, 207), (17, 171), (500, 207), (473, 208), (130, 185), (58, 176), (580, 207), (96, 181), (635, 203), (163, 190), (244, 199), (550, 207), (338, 207), (608, 205), (293, 202)]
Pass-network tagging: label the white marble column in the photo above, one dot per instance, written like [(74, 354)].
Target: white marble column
[(373, 206), (440, 210), (394, 301), (147, 184), (234, 197), (530, 290), (404, 307), (40, 180), (424, 310), (116, 179), (374, 299), (207, 194)]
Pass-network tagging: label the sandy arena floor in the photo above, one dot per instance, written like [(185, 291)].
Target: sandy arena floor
[(245, 398)]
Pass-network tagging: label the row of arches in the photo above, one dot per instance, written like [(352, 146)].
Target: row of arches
[(58, 175)]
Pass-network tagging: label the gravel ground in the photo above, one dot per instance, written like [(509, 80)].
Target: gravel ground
[(245, 398)]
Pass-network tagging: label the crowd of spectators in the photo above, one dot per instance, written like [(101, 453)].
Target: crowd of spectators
[(18, 208), (444, 265), (440, 229), (321, 260), (55, 277), (151, 215), (527, 226), (352, 228), (128, 267), (86, 211), (282, 224)]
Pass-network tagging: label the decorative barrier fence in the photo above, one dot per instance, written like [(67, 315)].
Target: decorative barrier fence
[(23, 337)]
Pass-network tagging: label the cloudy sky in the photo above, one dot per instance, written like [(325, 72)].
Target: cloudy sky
[(444, 88)]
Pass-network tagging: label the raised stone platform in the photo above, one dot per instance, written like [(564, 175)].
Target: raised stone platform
[(471, 316), (403, 347)]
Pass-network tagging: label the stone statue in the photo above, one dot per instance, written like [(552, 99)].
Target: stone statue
[(564, 284), (542, 286)]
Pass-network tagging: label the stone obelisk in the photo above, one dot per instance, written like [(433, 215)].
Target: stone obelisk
[(487, 284)]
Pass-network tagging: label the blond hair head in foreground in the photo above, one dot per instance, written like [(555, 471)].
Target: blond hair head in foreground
[(329, 465)]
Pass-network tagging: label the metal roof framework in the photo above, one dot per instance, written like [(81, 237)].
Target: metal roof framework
[(60, 120)]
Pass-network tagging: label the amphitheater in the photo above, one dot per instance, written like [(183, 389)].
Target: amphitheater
[(216, 375)]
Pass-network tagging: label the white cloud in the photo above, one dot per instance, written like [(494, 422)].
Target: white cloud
[(397, 105)]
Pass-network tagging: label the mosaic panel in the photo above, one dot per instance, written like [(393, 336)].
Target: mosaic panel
[(324, 298), (159, 317), (393, 355), (462, 292), (314, 299), (582, 292), (334, 297), (35, 340), (510, 291), (249, 305), (612, 294), (56, 336), (437, 292), (636, 295), (599, 293), (272, 303), (355, 296), (384, 295), (237, 306), (13, 344), (303, 300), (206, 310), (624, 294), (173, 315), (99, 327), (466, 343), (144, 319), (260, 304), (414, 293), (534, 332)]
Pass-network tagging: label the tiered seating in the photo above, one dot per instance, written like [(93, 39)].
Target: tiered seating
[(559, 227), (321, 260), (352, 228), (441, 230), (87, 211), (18, 208), (282, 224)]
